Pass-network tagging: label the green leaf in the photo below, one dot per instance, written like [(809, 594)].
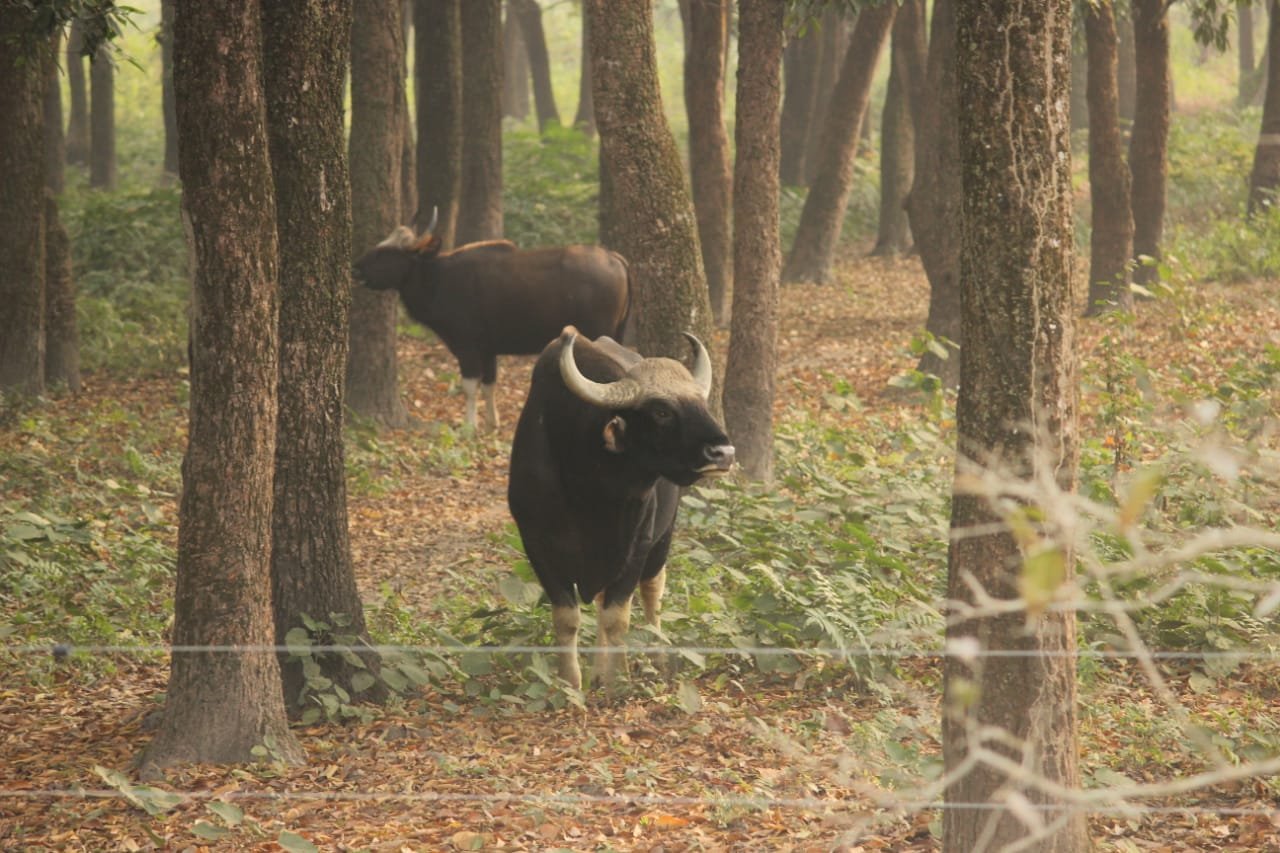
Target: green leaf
[(298, 641), (687, 696), (231, 814), (295, 843), (208, 831), (1043, 572), (362, 681)]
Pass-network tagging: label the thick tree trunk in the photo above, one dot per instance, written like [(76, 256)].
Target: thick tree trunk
[(102, 120), (529, 14), (585, 119), (62, 340), (1264, 180), (221, 704), (377, 99), (707, 38), (78, 90), (515, 68), (800, 61), (897, 133), (166, 89), (934, 204), (1111, 243), (437, 75), (835, 44), (55, 140), (480, 210), (646, 212), (1126, 68), (22, 179), (1017, 413), (749, 372), (813, 252), (305, 50), (1148, 144)]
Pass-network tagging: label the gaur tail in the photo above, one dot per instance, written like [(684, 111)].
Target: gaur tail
[(624, 332)]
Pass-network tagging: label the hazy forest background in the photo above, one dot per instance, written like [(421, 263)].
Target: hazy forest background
[(798, 705)]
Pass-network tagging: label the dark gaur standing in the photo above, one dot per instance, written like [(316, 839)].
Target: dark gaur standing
[(605, 440), (489, 299)]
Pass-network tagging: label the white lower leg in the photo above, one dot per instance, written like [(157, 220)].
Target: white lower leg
[(612, 623), (566, 621), (651, 597), (490, 409), (469, 389)]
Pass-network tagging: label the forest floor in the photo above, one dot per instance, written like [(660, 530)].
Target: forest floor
[(764, 763)]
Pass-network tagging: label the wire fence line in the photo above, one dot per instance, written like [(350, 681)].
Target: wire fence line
[(650, 800), (960, 653)]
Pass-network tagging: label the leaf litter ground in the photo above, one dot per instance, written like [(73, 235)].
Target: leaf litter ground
[(760, 763)]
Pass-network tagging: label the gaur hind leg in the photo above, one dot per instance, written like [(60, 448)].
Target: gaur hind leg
[(488, 378), (613, 621)]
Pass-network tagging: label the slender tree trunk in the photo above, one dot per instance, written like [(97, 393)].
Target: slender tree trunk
[(1126, 68), (1016, 414), (585, 119), (62, 340), (1148, 144), (749, 373), (707, 38), (221, 704), (800, 61), (408, 145), (22, 216), (813, 252), (1245, 58), (305, 50), (515, 70), (646, 212), (437, 35), (78, 113), (934, 204), (897, 134), (1079, 86), (166, 88), (1111, 243), (529, 14), (377, 99), (102, 120), (835, 44), (480, 211), (1264, 180), (55, 141)]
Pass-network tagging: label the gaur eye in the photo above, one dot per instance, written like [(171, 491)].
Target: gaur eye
[(662, 413)]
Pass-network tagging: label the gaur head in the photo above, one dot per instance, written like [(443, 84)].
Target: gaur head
[(387, 265), (660, 417)]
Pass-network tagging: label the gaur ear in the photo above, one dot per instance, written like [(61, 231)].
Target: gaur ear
[(613, 433), (384, 268)]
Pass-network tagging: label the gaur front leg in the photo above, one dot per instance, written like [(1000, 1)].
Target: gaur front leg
[(469, 389), (651, 597), (565, 618), (613, 621), (488, 377)]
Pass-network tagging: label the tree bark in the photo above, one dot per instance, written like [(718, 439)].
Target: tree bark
[(835, 44), (78, 112), (585, 119), (749, 373), (62, 339), (408, 145), (515, 69), (646, 212), (933, 206), (897, 132), (480, 210), (529, 14), (1148, 144), (437, 37), (221, 704), (166, 89), (1016, 415), (813, 251), (800, 61), (102, 120), (22, 179), (305, 51), (1126, 68), (1111, 242), (707, 38), (1264, 179), (377, 111), (55, 140)]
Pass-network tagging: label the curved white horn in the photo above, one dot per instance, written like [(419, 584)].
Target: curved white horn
[(435, 217), (607, 395), (701, 366)]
